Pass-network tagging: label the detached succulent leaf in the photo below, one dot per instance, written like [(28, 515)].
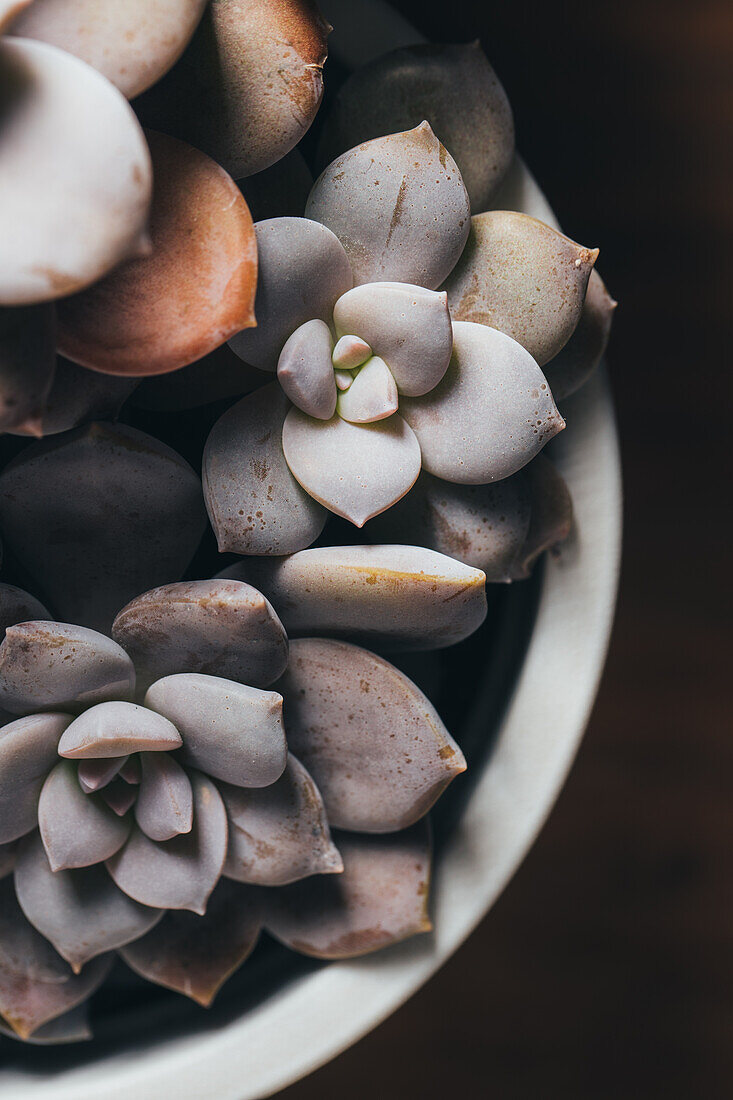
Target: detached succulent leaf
[(399, 207), (552, 514), (375, 746), (28, 751), (575, 363), (380, 899), (17, 606), (27, 365), (77, 829), (117, 729)]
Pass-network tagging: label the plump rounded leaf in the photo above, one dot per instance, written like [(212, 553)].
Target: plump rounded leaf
[(484, 526), (408, 326), (134, 518), (522, 277), (132, 43), (181, 873), (231, 731), (118, 729), (93, 774), (217, 376), (81, 912), (77, 829), (255, 504), (36, 985), (344, 379), (575, 363), (372, 741), (72, 1027), (220, 627), (303, 269), (76, 397), (355, 470), (28, 751), (57, 666), (278, 191), (249, 85), (305, 370), (398, 597), (399, 207), (27, 364), (164, 806), (491, 414), (552, 514), (380, 899), (453, 87), (350, 351), (65, 123), (372, 396), (17, 606), (193, 291), (279, 834), (195, 955)]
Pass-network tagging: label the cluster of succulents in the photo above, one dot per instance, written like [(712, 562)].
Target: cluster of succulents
[(384, 346)]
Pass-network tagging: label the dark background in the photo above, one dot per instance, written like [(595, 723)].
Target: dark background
[(606, 968)]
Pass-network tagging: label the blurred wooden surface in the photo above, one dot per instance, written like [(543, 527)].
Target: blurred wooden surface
[(606, 969)]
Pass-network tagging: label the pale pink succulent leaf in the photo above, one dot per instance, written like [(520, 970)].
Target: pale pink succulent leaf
[(131, 771), (372, 396), (118, 728), (27, 365), (77, 829), (28, 751), (305, 369), (350, 351), (552, 515), (164, 806), (575, 363), (93, 774), (17, 606)]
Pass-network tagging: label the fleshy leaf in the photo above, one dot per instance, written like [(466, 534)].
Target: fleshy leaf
[(220, 627), (372, 741), (132, 43), (164, 806), (81, 912), (552, 514), (522, 277), (193, 291), (248, 86), (380, 899), (28, 751), (217, 376), (195, 955), (93, 775), (131, 771), (231, 731), (77, 829), (76, 397), (119, 796), (490, 415), (303, 269), (399, 207), (355, 470), (350, 351), (57, 666), (305, 370), (255, 504), (118, 728), (36, 985), (279, 834), (64, 122), (181, 873), (575, 363), (408, 326), (398, 597), (134, 519), (72, 1027), (453, 87), (372, 396), (17, 606), (27, 364), (279, 191)]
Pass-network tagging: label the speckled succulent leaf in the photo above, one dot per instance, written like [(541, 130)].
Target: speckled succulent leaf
[(490, 415), (372, 396), (72, 1027), (64, 122), (374, 744), (132, 43), (217, 376), (399, 207), (10, 10), (305, 369), (117, 728), (134, 519), (27, 364), (522, 277), (17, 606), (181, 873), (164, 806), (57, 666), (394, 596), (484, 526), (279, 191), (453, 87), (81, 912), (260, 63), (36, 985), (354, 470), (77, 829), (303, 269), (552, 514), (193, 291), (575, 363), (76, 397), (93, 774), (195, 955), (220, 627), (28, 751), (408, 326), (279, 834), (255, 504), (8, 853), (231, 731), (380, 899)]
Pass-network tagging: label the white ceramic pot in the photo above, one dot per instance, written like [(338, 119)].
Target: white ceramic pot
[(306, 1021)]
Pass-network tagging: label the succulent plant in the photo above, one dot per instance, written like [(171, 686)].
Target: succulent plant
[(165, 792)]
